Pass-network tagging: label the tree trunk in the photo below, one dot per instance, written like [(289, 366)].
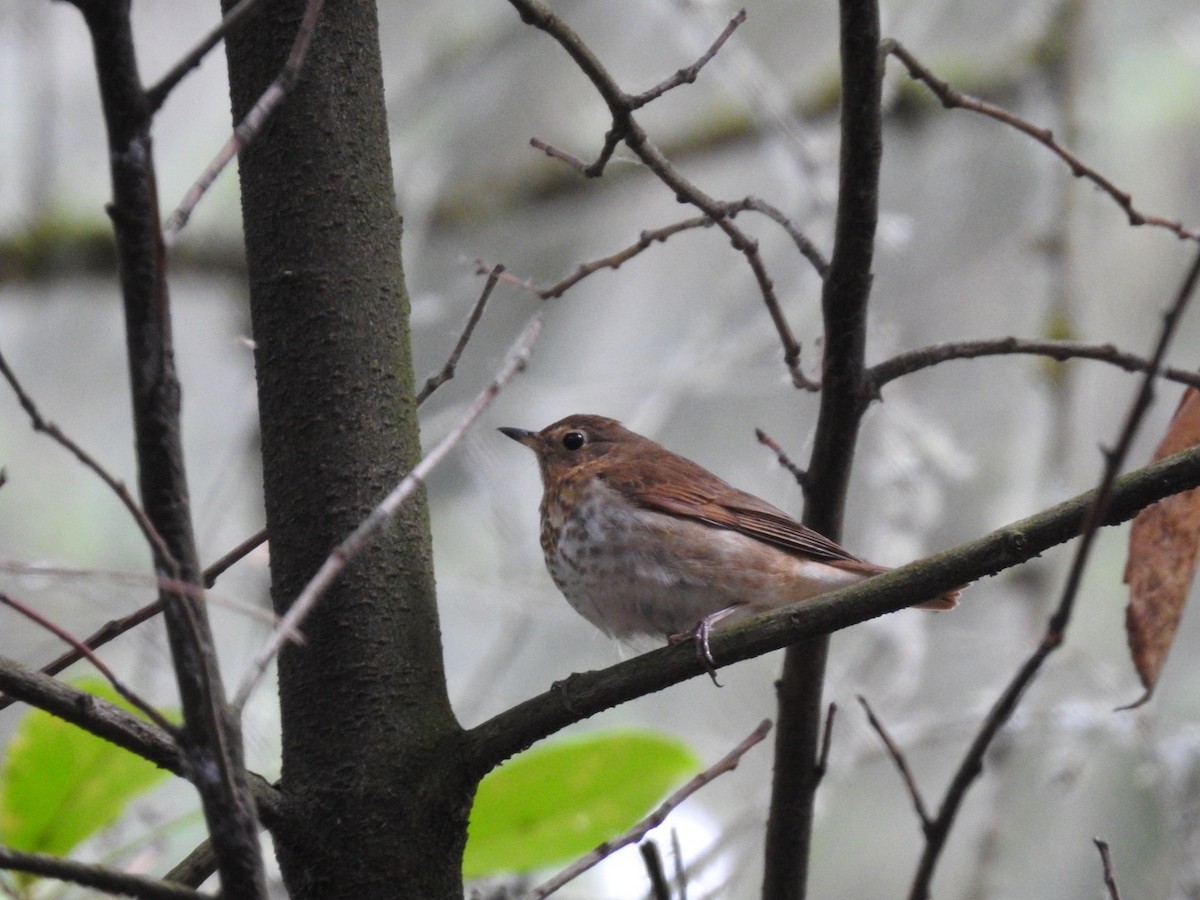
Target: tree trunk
[(365, 714)]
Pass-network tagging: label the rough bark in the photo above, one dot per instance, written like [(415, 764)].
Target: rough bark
[(375, 796)]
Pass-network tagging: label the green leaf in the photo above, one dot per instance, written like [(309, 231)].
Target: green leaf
[(561, 799), (60, 784)]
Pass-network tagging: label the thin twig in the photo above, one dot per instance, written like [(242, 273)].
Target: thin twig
[(238, 553), (156, 95), (625, 128), (93, 714), (728, 763), (119, 686), (897, 756), (915, 360), (688, 74), (212, 739), (114, 628), (102, 879), (111, 629), (826, 742), (382, 514), (950, 99), (748, 247), (447, 371), (972, 763), (681, 881), (251, 125), (157, 545), (561, 155), (784, 460), (660, 235), (806, 247), (652, 860), (613, 261), (1110, 875)]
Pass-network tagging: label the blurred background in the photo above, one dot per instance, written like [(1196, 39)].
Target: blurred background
[(983, 234)]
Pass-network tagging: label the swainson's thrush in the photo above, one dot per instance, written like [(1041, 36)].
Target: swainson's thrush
[(641, 540)]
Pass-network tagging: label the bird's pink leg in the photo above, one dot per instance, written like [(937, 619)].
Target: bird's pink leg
[(700, 635)]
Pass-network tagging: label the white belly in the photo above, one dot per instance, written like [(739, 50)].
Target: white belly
[(633, 572)]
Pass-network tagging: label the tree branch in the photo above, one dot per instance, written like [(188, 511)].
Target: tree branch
[(915, 360), (251, 124), (156, 95), (114, 628), (1110, 876), (727, 763), (687, 75), (446, 372), (1103, 497), (101, 718), (625, 128), (83, 650), (844, 297), (897, 755), (93, 876), (951, 99), (583, 695), (211, 739), (153, 538), (92, 714)]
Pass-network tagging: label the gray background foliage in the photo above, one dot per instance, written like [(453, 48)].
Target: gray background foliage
[(982, 234)]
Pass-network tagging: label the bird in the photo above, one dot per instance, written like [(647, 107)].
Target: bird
[(643, 541)]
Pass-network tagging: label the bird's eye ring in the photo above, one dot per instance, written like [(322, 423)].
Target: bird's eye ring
[(573, 440)]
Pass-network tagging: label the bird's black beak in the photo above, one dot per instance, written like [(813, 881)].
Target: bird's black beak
[(520, 435)]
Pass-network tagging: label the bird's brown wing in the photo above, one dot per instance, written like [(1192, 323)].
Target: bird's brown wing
[(703, 496)]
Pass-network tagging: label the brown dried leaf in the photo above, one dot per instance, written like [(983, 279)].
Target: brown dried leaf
[(1162, 557)]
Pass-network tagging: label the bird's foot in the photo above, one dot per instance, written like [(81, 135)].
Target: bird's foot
[(700, 635)]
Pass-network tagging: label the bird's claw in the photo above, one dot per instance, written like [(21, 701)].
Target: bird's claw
[(699, 635)]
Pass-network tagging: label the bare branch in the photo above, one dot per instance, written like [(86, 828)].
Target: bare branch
[(91, 713), (447, 371), (93, 876), (582, 695), (784, 460), (1110, 876), (156, 95), (916, 360), (1098, 509), (806, 247), (681, 882), (212, 738), (151, 713), (688, 74), (625, 128), (153, 538), (251, 125), (562, 155), (108, 631), (237, 554), (826, 742), (613, 261), (652, 859), (951, 99), (845, 295), (726, 764), (382, 514), (897, 756), (660, 235), (114, 628)]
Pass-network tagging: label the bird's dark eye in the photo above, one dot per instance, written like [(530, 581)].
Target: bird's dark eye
[(573, 440)]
